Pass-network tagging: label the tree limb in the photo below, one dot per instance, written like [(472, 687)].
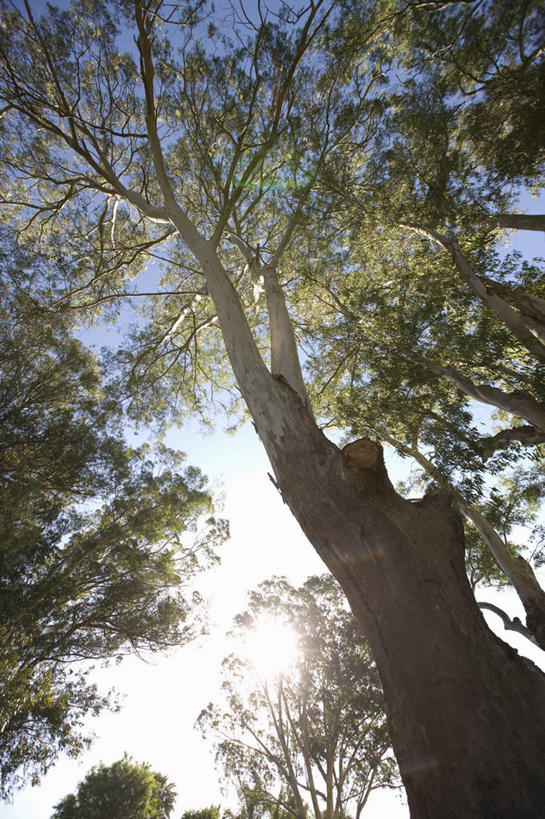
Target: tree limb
[(518, 221), (513, 319), (526, 435), (508, 623), (518, 402)]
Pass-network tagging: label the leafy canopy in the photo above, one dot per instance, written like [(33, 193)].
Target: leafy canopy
[(313, 736), (125, 789), (100, 541)]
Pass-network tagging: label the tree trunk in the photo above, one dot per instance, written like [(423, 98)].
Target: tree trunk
[(467, 714)]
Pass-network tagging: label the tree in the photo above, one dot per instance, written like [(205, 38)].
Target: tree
[(311, 738), (99, 540), (229, 158), (213, 812), (460, 321), (385, 338), (490, 54), (124, 789)]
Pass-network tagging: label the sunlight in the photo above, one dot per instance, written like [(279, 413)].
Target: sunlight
[(271, 647)]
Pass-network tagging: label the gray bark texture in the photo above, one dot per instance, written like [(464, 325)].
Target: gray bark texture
[(466, 713)]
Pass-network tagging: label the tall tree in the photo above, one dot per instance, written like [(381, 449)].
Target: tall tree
[(309, 738), (219, 155), (99, 541), (385, 337), (435, 317), (124, 789)]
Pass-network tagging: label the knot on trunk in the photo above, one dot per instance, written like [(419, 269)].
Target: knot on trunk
[(363, 453)]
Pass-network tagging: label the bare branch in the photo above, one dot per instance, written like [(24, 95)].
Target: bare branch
[(508, 623)]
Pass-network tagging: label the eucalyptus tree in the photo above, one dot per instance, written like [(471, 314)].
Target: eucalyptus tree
[(99, 540), (218, 154), (386, 329), (435, 314), (309, 738)]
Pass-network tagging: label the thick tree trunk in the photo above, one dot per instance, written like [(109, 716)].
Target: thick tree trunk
[(467, 714)]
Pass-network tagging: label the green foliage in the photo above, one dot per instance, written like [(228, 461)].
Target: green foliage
[(316, 143), (123, 790), (321, 715), (489, 55), (99, 540), (213, 812), (381, 315), (244, 140)]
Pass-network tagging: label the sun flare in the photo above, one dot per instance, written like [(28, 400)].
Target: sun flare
[(271, 647)]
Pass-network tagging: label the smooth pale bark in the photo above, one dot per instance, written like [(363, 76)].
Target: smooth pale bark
[(513, 319), (518, 402), (284, 357), (533, 309)]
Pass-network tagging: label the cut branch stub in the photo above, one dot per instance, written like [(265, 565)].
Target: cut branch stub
[(362, 453)]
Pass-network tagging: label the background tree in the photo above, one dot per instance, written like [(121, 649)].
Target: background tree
[(229, 159), (124, 789), (310, 738), (213, 812), (491, 56), (100, 541)]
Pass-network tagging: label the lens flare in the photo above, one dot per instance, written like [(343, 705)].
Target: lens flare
[(271, 647)]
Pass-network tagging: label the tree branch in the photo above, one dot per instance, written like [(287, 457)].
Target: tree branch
[(508, 623), (513, 319), (518, 221), (527, 436), (518, 402)]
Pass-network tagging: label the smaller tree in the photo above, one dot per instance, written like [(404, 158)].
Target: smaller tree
[(310, 739), (213, 812), (100, 541), (124, 790)]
